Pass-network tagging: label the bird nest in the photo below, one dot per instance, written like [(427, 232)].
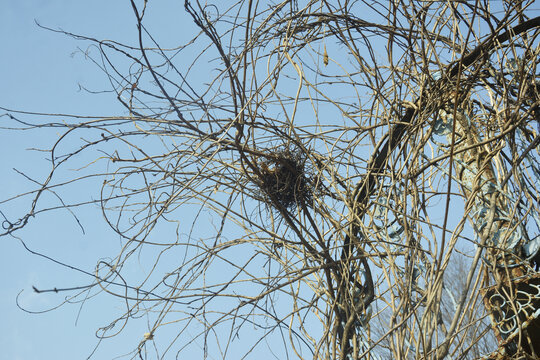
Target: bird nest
[(285, 178)]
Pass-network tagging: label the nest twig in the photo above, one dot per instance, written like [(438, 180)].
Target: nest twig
[(286, 178)]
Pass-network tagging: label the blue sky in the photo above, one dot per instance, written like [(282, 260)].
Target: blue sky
[(40, 71)]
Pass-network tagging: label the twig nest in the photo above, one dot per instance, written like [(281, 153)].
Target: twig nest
[(284, 178)]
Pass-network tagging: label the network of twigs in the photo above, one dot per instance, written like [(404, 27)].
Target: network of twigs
[(285, 178), (379, 148)]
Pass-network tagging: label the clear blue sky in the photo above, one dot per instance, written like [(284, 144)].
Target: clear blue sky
[(40, 71)]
